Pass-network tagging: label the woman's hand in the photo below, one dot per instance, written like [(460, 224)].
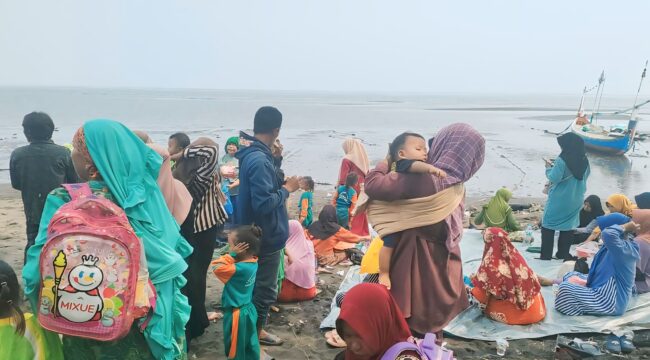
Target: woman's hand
[(631, 227), (389, 158)]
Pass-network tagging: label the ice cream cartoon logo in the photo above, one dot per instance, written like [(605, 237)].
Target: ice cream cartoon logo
[(79, 301)]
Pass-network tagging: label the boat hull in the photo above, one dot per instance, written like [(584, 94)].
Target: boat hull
[(604, 144)]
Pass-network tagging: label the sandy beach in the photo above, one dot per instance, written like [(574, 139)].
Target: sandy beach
[(298, 323)]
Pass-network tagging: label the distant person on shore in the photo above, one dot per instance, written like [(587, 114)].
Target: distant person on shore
[(592, 208), (610, 282), (510, 295), (299, 282), (22, 336), (642, 278), (498, 213), (197, 167), (345, 199), (237, 271), (568, 183), (426, 269), (616, 203), (38, 168), (306, 204), (406, 154), (262, 201), (355, 161), (229, 167), (330, 238), (119, 167), (177, 197), (643, 200)]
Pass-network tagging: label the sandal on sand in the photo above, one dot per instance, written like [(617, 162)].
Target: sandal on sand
[(575, 348), (626, 345), (334, 340), (214, 316), (613, 344), (271, 340)]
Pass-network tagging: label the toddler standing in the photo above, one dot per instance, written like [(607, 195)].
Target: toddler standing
[(237, 271)]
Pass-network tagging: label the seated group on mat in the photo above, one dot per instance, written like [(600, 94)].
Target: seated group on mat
[(508, 289)]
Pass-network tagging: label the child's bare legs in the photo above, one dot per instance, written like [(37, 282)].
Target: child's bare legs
[(384, 266)]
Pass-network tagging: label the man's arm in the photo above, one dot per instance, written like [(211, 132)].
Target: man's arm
[(14, 172)]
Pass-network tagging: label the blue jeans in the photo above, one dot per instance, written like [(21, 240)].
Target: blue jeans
[(266, 285)]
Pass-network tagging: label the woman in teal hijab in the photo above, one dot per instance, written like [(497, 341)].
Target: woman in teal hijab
[(121, 168)]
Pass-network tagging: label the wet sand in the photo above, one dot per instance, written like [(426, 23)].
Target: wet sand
[(298, 323)]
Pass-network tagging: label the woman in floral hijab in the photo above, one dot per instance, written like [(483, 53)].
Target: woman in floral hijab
[(507, 288)]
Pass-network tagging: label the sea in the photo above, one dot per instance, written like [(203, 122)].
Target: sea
[(316, 123)]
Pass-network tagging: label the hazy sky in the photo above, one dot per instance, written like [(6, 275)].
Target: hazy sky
[(348, 45)]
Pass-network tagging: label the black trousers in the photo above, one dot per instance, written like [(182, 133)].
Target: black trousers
[(563, 244), (196, 276)]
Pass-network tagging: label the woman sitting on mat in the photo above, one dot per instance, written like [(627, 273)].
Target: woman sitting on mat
[(497, 212), (330, 239), (299, 282), (610, 280), (507, 288)]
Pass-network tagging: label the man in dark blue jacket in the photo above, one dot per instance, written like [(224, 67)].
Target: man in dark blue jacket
[(262, 201)]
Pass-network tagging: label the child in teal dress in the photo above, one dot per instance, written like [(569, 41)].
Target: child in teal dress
[(306, 215), (345, 198), (237, 271)]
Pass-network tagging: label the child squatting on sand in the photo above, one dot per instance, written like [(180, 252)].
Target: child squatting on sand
[(406, 154)]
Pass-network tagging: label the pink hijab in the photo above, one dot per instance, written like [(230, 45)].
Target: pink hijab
[(176, 195), (302, 271), (355, 152)]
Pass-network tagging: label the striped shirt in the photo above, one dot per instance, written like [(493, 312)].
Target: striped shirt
[(204, 187)]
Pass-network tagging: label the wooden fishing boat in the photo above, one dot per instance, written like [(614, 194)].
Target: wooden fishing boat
[(602, 140), (615, 140)]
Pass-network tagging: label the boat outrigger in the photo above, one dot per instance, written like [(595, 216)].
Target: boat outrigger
[(617, 140)]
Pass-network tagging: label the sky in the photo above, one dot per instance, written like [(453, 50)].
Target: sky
[(466, 46)]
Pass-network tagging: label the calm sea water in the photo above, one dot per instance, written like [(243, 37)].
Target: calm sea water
[(315, 125)]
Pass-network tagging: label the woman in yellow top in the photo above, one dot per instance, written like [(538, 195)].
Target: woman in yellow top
[(616, 203)]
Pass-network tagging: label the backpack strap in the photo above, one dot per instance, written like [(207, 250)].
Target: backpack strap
[(393, 352), (78, 191)]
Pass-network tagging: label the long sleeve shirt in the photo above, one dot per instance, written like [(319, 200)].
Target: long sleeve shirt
[(37, 169), (205, 189)]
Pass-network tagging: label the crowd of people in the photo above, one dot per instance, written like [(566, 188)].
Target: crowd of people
[(181, 200)]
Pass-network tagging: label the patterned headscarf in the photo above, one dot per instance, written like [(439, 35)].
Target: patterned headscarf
[(79, 144), (459, 150), (504, 273)]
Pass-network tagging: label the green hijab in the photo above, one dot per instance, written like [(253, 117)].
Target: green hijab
[(496, 211), (234, 140)]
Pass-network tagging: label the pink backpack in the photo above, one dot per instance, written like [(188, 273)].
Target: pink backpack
[(427, 349), (94, 278)]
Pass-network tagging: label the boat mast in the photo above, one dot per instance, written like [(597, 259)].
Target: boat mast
[(631, 125), (599, 96)]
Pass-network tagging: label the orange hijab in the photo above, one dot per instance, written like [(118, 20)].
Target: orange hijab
[(621, 204)]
